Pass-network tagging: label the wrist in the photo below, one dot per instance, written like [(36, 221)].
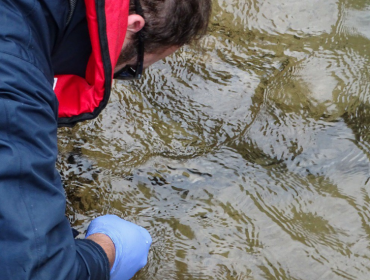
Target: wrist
[(107, 244)]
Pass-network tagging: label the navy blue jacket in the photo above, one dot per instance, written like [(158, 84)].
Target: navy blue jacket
[(35, 237)]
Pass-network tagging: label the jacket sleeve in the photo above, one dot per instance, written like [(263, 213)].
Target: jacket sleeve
[(36, 241)]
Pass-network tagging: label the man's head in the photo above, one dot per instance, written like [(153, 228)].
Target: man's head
[(165, 26)]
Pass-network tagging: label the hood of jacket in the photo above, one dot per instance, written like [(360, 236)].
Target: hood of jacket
[(83, 98)]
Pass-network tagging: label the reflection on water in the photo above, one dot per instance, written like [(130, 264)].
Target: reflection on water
[(246, 157)]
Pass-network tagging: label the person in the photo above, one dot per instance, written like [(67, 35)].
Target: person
[(57, 61)]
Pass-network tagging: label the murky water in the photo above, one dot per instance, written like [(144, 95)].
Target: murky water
[(246, 157)]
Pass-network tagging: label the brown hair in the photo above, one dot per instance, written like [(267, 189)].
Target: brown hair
[(170, 23), (173, 22)]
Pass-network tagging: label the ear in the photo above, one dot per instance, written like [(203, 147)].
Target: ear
[(135, 23)]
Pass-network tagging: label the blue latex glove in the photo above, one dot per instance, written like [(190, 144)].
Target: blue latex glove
[(131, 242)]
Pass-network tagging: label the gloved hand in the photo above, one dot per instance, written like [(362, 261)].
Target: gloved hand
[(131, 242)]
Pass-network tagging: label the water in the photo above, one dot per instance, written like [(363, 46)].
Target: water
[(246, 157)]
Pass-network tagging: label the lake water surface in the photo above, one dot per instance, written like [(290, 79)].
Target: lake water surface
[(247, 156)]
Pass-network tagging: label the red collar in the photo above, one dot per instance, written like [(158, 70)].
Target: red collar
[(84, 98)]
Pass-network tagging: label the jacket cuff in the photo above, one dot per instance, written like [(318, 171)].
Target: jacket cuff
[(95, 259)]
